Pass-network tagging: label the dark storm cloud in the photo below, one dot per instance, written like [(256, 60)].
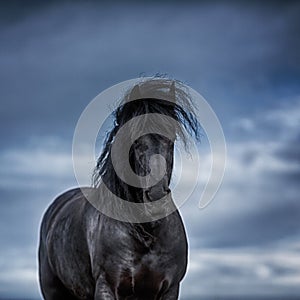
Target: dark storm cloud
[(269, 225), (57, 56), (291, 151)]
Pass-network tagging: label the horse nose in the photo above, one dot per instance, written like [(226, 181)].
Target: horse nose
[(159, 190)]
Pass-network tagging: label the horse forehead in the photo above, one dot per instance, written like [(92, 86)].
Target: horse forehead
[(154, 139)]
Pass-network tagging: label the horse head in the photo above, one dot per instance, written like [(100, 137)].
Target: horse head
[(137, 160)]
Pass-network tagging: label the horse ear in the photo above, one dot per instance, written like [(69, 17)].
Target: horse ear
[(172, 91), (135, 93)]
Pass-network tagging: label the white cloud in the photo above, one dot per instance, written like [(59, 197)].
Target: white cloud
[(245, 124), (287, 116), (36, 165), (36, 162), (242, 272)]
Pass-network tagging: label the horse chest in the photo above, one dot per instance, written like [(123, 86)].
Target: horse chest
[(144, 281), (146, 276)]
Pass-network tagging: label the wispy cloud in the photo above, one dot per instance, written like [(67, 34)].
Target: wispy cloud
[(36, 164), (242, 272)]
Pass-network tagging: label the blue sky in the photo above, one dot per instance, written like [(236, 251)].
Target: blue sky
[(243, 57)]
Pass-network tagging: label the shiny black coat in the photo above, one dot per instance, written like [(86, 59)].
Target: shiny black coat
[(84, 254)]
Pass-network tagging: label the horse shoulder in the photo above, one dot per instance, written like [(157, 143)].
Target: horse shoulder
[(63, 239)]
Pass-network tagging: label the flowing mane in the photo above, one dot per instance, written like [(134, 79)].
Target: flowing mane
[(180, 108)]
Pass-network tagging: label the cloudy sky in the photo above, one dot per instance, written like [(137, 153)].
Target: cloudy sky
[(243, 57)]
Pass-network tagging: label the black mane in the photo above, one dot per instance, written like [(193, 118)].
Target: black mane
[(181, 111)]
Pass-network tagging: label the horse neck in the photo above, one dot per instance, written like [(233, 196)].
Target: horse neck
[(145, 233), (118, 187)]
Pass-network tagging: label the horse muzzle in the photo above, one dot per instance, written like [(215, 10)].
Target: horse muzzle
[(158, 199), (156, 193)]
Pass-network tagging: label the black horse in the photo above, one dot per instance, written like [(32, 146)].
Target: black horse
[(85, 254)]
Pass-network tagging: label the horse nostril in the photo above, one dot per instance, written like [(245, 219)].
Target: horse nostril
[(155, 193)]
